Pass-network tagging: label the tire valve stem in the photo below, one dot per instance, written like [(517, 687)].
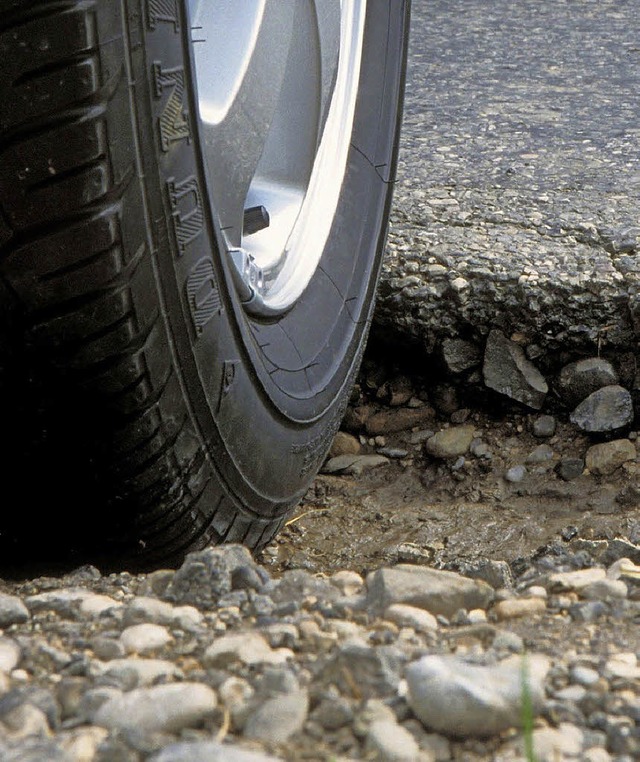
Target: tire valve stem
[(256, 218)]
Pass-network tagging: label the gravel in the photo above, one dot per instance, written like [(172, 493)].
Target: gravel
[(411, 663)]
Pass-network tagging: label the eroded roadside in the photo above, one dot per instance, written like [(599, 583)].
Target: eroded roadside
[(498, 481)]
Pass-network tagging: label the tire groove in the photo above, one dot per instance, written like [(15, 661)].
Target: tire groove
[(140, 468), (62, 272), (44, 122), (73, 306), (103, 367), (42, 10), (109, 202), (53, 67), (68, 174)]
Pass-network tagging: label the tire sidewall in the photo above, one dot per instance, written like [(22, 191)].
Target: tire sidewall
[(268, 396)]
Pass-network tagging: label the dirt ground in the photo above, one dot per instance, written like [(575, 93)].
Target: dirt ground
[(419, 509)]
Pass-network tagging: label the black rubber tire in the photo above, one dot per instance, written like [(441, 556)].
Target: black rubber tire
[(132, 376)]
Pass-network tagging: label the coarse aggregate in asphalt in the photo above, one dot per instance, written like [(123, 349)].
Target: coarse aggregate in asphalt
[(516, 205)]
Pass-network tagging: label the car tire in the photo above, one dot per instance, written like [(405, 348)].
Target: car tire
[(155, 399)]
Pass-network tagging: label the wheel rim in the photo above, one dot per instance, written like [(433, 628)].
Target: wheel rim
[(277, 86)]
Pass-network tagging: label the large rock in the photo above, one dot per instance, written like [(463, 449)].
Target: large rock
[(578, 380), (606, 409), (456, 698), (439, 592), (507, 370)]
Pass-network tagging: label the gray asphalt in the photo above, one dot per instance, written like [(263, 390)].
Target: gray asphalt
[(517, 200)]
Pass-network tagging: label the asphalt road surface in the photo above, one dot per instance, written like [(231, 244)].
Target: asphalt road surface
[(517, 201)]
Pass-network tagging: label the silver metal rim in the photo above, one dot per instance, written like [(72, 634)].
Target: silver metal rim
[(277, 87)]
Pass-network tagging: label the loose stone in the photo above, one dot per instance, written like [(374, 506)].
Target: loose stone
[(564, 742), (209, 751), (584, 675), (399, 419), (457, 698), (278, 718), (142, 609), (205, 576), (145, 638), (72, 603), (450, 443), (12, 610), (518, 607), (574, 580), (580, 379), (544, 426), (606, 409), (460, 355), (344, 444), (245, 647), (410, 616), (107, 649), (624, 568), (570, 468), (603, 589), (495, 573), (505, 641), (82, 745), (333, 713), (619, 548), (439, 592), (362, 671), (587, 612), (9, 654), (394, 453), (141, 671), (541, 454), (515, 474), (353, 464), (507, 370), (348, 582), (603, 459), (623, 665), (389, 742), (158, 709)]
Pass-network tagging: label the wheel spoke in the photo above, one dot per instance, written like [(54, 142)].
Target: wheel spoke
[(277, 85), (328, 16), (246, 66)]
